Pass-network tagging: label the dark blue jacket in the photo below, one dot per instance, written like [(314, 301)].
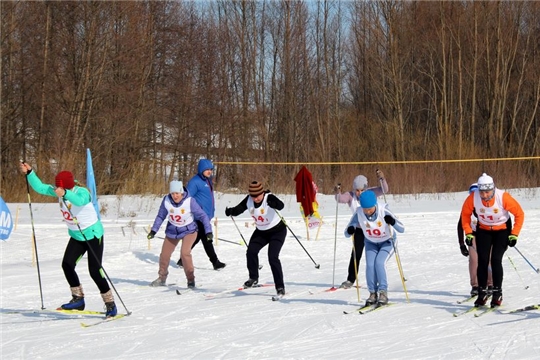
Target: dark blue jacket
[(201, 188)]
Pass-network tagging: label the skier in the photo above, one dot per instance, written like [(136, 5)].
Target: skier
[(181, 212), (270, 230), (471, 251), (201, 188), (360, 184), (493, 207), (85, 231), (374, 219)]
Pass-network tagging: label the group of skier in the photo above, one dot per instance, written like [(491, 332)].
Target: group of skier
[(485, 221)]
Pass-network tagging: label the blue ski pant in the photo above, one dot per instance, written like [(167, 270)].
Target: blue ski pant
[(377, 255)]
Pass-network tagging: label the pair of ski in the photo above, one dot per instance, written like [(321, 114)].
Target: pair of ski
[(75, 313), (525, 308), (105, 320), (332, 289), (478, 311), (91, 312), (227, 292), (368, 308)]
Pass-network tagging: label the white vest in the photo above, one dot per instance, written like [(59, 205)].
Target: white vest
[(493, 215), (85, 216), (181, 215), (265, 217), (355, 204), (376, 231)]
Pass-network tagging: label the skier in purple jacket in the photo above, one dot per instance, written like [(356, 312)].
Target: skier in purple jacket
[(352, 198), (181, 212)]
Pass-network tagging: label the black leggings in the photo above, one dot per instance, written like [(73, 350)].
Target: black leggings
[(208, 246), (75, 250), (495, 242), (358, 248), (274, 238)]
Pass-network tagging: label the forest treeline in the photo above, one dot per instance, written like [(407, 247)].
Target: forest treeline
[(152, 86)]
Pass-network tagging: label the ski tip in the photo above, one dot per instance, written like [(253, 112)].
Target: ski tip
[(178, 292)]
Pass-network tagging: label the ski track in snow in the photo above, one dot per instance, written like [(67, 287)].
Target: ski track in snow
[(307, 323)]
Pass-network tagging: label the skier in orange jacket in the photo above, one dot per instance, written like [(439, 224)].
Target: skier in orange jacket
[(493, 207)]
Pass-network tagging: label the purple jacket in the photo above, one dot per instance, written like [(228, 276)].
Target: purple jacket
[(347, 197), (175, 232)]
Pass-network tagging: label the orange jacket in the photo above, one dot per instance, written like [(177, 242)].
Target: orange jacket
[(509, 204)]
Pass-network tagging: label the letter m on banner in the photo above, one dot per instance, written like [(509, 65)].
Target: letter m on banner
[(6, 222)]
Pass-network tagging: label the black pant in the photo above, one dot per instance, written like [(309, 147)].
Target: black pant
[(358, 248), (74, 252), (274, 238), (495, 242), (208, 246)]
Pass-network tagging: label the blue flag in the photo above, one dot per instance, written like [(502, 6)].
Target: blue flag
[(6, 222), (91, 182)]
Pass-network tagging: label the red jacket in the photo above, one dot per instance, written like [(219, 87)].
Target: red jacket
[(305, 193)]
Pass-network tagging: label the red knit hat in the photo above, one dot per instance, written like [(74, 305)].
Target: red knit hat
[(65, 180)]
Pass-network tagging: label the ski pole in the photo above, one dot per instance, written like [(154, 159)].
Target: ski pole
[(400, 268), (356, 270), (317, 266), (537, 270), (398, 260), (335, 242), (238, 229), (95, 256), (34, 238), (242, 236), (395, 247), (229, 241), (220, 239), (515, 268)]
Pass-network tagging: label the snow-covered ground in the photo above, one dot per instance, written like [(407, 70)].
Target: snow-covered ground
[(211, 323)]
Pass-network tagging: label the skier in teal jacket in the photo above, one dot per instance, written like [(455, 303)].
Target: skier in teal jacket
[(85, 231)]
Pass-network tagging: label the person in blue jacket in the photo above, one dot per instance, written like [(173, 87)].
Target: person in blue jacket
[(201, 188), (376, 221), (181, 212), (85, 234)]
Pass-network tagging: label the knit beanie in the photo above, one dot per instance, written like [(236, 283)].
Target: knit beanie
[(485, 182), (65, 180), (368, 199), (176, 186), (359, 183), (255, 189)]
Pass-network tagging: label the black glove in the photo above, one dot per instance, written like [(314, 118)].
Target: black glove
[(271, 203), (389, 220), (228, 211), (350, 230), (210, 237), (151, 235), (469, 239), (512, 240), (464, 250)]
